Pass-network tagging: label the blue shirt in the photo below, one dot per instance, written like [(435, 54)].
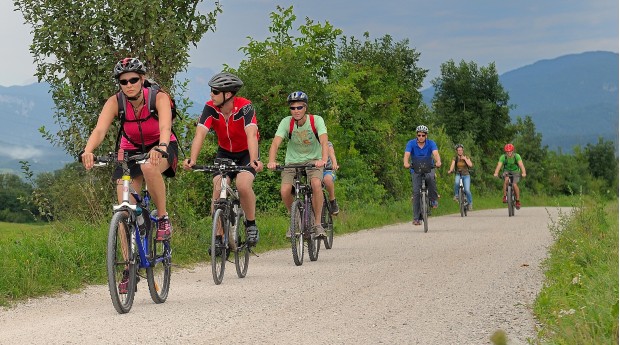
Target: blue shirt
[(421, 154)]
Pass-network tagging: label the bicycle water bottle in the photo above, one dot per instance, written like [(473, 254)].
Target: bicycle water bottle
[(140, 220)]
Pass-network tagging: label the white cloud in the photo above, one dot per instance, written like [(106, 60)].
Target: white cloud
[(20, 152)]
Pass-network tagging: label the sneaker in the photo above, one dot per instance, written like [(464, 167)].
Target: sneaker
[(434, 204), (319, 231), (416, 222), (470, 207), (456, 198), (252, 235), (122, 286), (164, 229), (333, 205), (505, 200), (518, 204), (288, 233)]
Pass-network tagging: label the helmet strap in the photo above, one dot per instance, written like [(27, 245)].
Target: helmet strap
[(225, 99), (137, 96)]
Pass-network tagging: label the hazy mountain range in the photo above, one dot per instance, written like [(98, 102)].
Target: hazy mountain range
[(573, 99)]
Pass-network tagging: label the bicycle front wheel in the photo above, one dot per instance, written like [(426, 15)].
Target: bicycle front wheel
[(160, 266), (242, 253), (297, 237), (462, 203), (328, 224), (121, 263), (424, 202), (313, 242), (511, 204), (218, 247)]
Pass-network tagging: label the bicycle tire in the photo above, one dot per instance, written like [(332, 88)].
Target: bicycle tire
[(328, 224), (297, 238), (424, 206), (160, 266), (462, 205), (312, 242), (117, 263), (218, 252), (511, 205), (242, 253)]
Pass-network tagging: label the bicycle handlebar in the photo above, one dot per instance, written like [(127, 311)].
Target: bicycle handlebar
[(294, 166), (112, 157), (222, 165)]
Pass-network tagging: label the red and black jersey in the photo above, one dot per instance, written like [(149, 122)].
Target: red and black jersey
[(230, 133)]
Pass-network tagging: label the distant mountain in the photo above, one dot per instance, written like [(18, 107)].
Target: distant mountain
[(572, 99)]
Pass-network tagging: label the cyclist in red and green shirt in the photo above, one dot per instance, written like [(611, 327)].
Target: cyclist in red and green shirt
[(513, 165)]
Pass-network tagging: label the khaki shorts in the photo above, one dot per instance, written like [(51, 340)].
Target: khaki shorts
[(288, 175)]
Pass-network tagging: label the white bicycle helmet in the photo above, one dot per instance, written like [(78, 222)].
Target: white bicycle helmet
[(422, 128)]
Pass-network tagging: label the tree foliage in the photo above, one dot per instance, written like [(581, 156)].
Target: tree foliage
[(76, 44), (602, 161), (471, 99)]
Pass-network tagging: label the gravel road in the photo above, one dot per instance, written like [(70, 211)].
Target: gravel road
[(456, 284)]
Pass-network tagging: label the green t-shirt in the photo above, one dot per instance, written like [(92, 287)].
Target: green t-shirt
[(303, 145), (511, 163)]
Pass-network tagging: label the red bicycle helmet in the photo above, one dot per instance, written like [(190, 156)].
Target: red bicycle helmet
[(509, 148)]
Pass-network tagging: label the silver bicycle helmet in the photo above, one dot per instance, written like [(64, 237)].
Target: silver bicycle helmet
[(225, 81), (129, 65), (422, 128), (459, 145), (297, 96)]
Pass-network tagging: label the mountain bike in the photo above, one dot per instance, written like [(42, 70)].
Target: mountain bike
[(327, 221), (462, 198), (423, 167), (302, 215), (229, 220), (510, 194), (132, 241)]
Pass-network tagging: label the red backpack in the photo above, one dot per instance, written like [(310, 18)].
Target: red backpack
[(292, 124)]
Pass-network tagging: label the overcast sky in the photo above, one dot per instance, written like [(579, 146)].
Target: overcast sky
[(510, 33)]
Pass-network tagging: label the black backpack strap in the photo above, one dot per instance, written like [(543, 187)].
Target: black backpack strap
[(122, 110), (153, 91)]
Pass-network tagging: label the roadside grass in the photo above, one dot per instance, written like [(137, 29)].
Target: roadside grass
[(66, 256), (579, 301)]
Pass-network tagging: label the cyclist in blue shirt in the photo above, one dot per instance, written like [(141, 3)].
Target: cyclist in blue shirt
[(422, 150)]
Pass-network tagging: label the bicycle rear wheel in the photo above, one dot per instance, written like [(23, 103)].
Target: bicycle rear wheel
[(313, 242), (121, 263), (160, 266), (328, 224), (511, 204), (462, 203), (297, 238), (242, 253), (218, 248), (424, 202)]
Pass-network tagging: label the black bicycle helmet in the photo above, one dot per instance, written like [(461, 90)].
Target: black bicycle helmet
[(226, 82), (297, 96), (129, 65)]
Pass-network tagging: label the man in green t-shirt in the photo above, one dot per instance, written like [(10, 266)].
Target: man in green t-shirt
[(307, 144), (513, 165)]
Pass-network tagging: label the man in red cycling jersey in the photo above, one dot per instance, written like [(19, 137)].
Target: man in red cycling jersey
[(233, 119)]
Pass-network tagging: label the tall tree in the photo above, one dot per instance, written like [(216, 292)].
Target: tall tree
[(602, 161), (471, 99), (528, 143), (77, 43)]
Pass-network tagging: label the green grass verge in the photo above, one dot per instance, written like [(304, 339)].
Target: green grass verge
[(579, 301), (43, 260)]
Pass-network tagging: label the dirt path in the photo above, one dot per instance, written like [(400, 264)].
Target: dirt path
[(456, 284)]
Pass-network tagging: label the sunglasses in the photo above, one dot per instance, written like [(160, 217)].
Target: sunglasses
[(421, 135), (215, 92), (299, 107), (130, 81)]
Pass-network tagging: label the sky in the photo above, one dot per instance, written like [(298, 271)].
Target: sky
[(511, 34)]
